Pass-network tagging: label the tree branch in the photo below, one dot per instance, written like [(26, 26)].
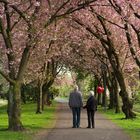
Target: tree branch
[(7, 77), (135, 13), (69, 11), (53, 17), (93, 11), (17, 10), (15, 23), (90, 31)]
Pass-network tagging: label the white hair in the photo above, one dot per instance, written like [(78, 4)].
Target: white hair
[(91, 93)]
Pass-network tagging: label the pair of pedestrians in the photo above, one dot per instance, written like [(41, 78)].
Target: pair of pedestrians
[(75, 103)]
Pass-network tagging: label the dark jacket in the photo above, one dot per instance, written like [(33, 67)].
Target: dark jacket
[(91, 104), (75, 99)]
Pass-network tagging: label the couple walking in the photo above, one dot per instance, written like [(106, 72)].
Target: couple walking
[(75, 103)]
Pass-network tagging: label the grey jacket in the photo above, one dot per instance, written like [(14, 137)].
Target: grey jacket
[(75, 99)]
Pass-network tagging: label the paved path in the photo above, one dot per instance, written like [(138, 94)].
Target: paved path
[(104, 129)]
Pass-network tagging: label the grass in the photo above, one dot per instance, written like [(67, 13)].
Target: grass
[(130, 126), (3, 102), (137, 107), (32, 122)]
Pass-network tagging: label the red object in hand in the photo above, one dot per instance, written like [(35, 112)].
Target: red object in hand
[(100, 89)]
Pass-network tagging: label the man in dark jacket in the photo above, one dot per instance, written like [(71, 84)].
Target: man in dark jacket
[(75, 103), (91, 107)]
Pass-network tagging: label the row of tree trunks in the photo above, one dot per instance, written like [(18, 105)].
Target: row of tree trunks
[(113, 94), (108, 44), (112, 85), (127, 104), (43, 95), (117, 78), (43, 99), (109, 47)]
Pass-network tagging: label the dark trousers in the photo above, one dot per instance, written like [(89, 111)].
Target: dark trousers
[(76, 111), (90, 115)]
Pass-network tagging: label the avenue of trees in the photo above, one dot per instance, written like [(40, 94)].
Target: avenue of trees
[(39, 39)]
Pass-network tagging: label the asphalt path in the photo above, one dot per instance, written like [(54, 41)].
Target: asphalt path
[(104, 128)]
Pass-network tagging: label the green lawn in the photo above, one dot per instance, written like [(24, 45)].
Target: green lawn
[(32, 122), (132, 127), (137, 107), (3, 102)]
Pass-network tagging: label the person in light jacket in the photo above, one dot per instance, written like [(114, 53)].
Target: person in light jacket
[(91, 106), (75, 103)]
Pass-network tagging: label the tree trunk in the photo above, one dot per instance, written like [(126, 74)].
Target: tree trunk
[(49, 102), (44, 99), (23, 94), (104, 97), (111, 94), (39, 100), (117, 102), (10, 106), (96, 83), (14, 108), (127, 106), (99, 99), (116, 95), (45, 88), (95, 90)]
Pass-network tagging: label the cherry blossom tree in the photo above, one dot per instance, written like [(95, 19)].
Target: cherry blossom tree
[(104, 34), (128, 11), (25, 21)]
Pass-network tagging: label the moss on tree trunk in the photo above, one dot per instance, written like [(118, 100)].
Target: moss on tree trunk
[(15, 123)]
